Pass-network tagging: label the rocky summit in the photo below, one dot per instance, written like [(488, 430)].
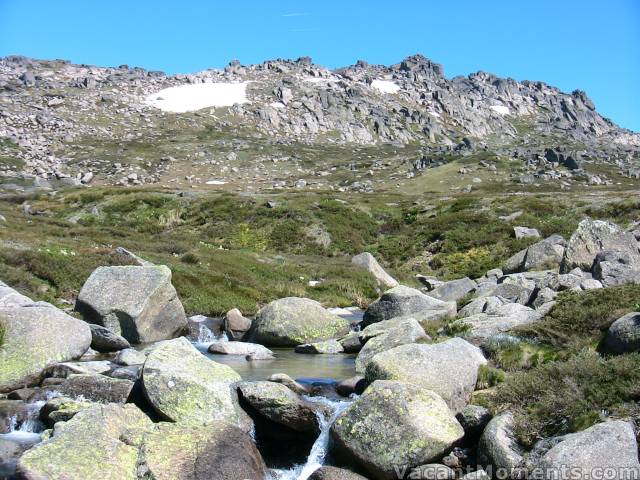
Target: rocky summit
[(295, 123), (286, 272)]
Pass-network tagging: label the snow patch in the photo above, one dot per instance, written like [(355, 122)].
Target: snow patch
[(215, 182), (385, 86), (500, 109), (278, 105), (189, 98)]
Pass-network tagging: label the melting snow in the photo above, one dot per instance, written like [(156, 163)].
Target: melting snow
[(500, 109), (385, 86), (215, 182), (188, 98)]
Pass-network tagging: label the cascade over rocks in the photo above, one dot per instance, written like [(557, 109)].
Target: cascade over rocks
[(293, 321), (393, 425), (34, 338), (138, 303)]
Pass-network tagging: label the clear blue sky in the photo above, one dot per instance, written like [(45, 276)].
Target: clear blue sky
[(593, 45)]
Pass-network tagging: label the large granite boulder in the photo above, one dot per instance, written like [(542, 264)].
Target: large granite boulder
[(97, 388), (98, 443), (34, 337), (623, 335), (595, 236), (137, 303), (615, 268), (405, 301), (395, 426), (606, 447), (335, 473), (370, 264), (498, 448), (453, 290), (236, 325), (216, 451), (543, 255), (293, 321), (186, 387), (497, 320), (448, 368), (11, 298), (386, 335), (281, 405)]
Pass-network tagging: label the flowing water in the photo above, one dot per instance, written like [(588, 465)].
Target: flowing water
[(320, 448)]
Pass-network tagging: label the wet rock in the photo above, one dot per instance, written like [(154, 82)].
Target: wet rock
[(289, 382), (10, 411), (405, 301), (97, 388), (236, 325), (34, 338), (105, 340), (184, 386), (279, 404), (432, 471), (334, 473), (292, 321), (352, 385), (325, 347), (406, 426), (368, 262), (138, 303), (351, 343), (448, 368)]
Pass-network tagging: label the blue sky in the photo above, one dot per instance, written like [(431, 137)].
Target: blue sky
[(593, 45)]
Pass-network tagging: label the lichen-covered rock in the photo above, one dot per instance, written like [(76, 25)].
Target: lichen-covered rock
[(98, 443), (217, 451), (280, 404), (498, 448), (185, 386), (35, 337), (448, 368), (624, 334), (606, 447), (595, 236), (137, 303), (97, 388), (324, 347), (396, 425), (61, 409), (386, 335), (105, 340), (405, 301), (129, 356), (292, 321)]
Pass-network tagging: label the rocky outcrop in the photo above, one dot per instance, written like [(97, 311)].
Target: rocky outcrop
[(138, 303), (596, 236), (370, 264), (543, 255), (34, 337), (184, 386), (396, 425), (405, 301), (453, 290), (292, 321), (448, 368)]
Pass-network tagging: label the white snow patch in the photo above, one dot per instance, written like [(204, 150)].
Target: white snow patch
[(278, 105), (385, 86), (215, 182), (189, 98), (500, 109), (317, 79)]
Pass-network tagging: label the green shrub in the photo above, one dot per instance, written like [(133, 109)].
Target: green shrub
[(578, 318), (567, 396), (489, 377)]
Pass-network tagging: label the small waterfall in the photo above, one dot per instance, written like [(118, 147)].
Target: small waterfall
[(320, 448), (207, 337)]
